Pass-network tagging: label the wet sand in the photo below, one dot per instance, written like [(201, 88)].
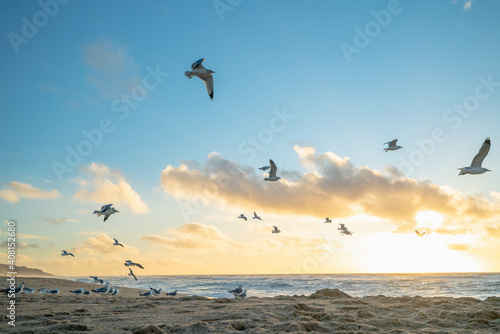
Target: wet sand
[(326, 311)]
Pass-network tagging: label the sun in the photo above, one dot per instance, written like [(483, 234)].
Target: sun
[(429, 219)]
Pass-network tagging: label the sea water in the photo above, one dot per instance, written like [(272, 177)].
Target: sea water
[(476, 285)]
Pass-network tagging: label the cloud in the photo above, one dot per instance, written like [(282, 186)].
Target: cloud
[(208, 239), (331, 187), (112, 70), (459, 247), (58, 221), (32, 236), (108, 186), (18, 190), (102, 244), (19, 245), (195, 237)]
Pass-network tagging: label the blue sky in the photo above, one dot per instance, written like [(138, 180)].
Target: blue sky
[(269, 58)]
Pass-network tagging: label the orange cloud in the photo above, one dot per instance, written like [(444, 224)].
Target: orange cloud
[(18, 190), (459, 247), (103, 244), (332, 187), (109, 186), (194, 236)]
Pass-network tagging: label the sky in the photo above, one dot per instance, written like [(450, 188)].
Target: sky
[(96, 109)]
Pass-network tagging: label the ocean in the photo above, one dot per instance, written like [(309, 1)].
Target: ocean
[(476, 285)]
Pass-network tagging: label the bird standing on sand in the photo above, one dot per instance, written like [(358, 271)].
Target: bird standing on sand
[(392, 146), (146, 294), (104, 290), (77, 292), (106, 210), (173, 293), (197, 70), (238, 291), (475, 166)]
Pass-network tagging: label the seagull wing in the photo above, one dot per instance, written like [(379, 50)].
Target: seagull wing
[(209, 82), (116, 241), (197, 64), (105, 207), (483, 152), (272, 172), (393, 143), (106, 217)]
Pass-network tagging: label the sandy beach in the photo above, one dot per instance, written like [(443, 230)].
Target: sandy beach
[(326, 311)]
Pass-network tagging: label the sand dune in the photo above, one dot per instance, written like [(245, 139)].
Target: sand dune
[(326, 311)]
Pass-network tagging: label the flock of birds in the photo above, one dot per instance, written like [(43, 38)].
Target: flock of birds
[(198, 70)]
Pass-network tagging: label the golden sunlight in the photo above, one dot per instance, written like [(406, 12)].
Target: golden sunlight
[(428, 219)]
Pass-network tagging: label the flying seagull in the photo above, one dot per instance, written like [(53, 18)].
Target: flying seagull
[(130, 263), (342, 227), (475, 166), (173, 293), (242, 216), (392, 146), (117, 243), (131, 273), (420, 234), (97, 280), (64, 253), (264, 168), (197, 70), (346, 232), (255, 216), (276, 230), (327, 221), (106, 210), (272, 172)]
